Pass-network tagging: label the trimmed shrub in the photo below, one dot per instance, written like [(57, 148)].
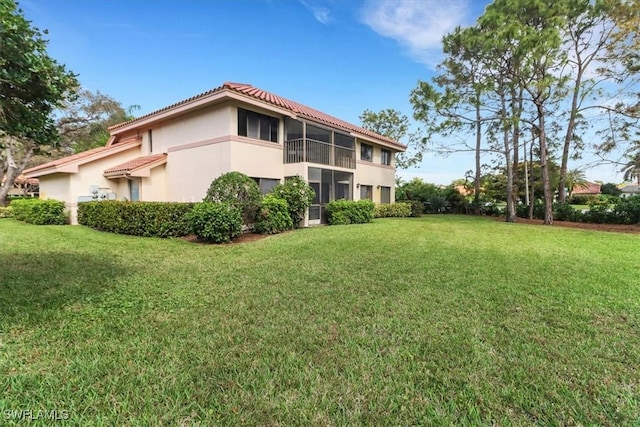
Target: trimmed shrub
[(342, 212), (564, 212), (298, 194), (417, 208), (215, 222), (628, 210), (238, 190), (148, 219), (388, 210), (39, 212), (273, 216), (6, 212)]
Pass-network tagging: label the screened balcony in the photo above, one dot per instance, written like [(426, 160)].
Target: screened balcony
[(313, 144), (313, 151)]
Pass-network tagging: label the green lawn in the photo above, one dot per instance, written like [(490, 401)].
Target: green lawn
[(438, 320)]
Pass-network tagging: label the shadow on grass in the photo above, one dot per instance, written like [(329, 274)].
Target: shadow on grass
[(35, 285)]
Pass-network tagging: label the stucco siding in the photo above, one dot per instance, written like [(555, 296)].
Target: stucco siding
[(375, 175), (260, 160), (55, 186), (190, 172), (201, 125)]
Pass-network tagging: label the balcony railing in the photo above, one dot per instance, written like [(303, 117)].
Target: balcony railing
[(313, 151)]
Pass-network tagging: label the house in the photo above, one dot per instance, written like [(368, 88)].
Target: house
[(587, 189), (629, 190), (174, 153)]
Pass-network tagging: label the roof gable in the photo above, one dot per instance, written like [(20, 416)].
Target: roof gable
[(249, 91)]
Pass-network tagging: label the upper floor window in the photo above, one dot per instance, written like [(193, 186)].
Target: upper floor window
[(385, 157), (150, 136), (258, 126), (366, 152)]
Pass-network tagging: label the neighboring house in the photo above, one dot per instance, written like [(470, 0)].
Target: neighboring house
[(588, 189), (22, 187), (629, 190), (174, 153)]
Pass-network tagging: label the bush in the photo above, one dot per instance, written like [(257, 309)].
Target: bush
[(39, 212), (628, 210), (238, 190), (522, 210), (600, 214), (298, 195), (6, 212), (582, 199), (273, 216), (564, 212), (417, 208), (397, 210), (342, 212), (215, 222), (149, 219)]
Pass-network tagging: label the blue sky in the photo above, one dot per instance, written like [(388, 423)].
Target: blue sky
[(338, 56)]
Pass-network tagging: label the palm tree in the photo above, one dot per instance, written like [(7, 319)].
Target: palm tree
[(575, 179), (631, 170)]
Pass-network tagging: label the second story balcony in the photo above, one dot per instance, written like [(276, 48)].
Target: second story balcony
[(314, 151)]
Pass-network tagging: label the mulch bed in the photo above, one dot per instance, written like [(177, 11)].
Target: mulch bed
[(616, 228)]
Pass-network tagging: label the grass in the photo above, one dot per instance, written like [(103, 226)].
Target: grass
[(433, 321)]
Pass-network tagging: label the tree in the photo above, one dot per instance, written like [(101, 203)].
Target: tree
[(631, 169), (32, 86), (395, 125), (85, 120), (574, 179), (610, 189)]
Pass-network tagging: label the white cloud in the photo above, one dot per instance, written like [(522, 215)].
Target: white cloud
[(418, 25), (322, 14)]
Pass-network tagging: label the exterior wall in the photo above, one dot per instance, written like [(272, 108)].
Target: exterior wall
[(202, 125), (189, 172), (257, 159), (55, 186), (374, 173), (153, 188)]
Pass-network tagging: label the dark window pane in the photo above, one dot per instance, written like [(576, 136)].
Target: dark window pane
[(318, 134), (366, 152), (242, 122), (314, 212), (293, 129), (345, 141)]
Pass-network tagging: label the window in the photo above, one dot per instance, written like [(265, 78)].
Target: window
[(366, 192), (366, 152), (150, 137), (344, 141), (134, 190), (385, 194), (266, 184), (257, 126), (386, 157)]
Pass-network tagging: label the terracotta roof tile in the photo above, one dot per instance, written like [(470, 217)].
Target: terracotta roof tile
[(134, 164), (589, 188), (66, 160), (278, 101)]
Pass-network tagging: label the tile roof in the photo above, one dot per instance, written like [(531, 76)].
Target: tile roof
[(66, 160), (589, 188), (134, 164), (275, 100)]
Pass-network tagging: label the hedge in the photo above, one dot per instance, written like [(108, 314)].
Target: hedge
[(341, 212), (215, 222), (397, 210), (39, 212), (148, 219), (273, 216)]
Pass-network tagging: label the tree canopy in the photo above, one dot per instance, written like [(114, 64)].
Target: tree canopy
[(32, 86)]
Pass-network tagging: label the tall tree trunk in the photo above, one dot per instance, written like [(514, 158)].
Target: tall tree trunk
[(13, 169), (544, 167), (568, 138), (476, 189), (532, 200)]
